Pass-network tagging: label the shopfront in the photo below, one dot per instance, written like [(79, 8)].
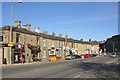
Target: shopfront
[(35, 50), (58, 53), (4, 60), (19, 53)]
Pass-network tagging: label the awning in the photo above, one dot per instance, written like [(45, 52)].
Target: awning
[(35, 50), (32, 46)]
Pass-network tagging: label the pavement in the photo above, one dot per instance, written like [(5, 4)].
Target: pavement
[(46, 62), (37, 62), (32, 63), (17, 64)]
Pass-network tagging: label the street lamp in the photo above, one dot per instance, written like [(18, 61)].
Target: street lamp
[(11, 7), (104, 49), (66, 37), (112, 46)]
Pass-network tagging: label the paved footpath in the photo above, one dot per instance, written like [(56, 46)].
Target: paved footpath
[(38, 62), (115, 60)]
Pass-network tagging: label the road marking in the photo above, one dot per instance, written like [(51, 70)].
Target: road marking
[(77, 76)]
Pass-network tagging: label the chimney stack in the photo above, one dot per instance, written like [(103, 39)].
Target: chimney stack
[(60, 35), (27, 26), (18, 24), (53, 34), (37, 30), (45, 32)]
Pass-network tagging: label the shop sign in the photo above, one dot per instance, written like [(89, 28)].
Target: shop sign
[(10, 44)]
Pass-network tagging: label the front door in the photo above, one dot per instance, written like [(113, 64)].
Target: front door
[(44, 54), (16, 57)]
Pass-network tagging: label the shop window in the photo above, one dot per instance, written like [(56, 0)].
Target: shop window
[(52, 47), (60, 44), (17, 38), (44, 54), (56, 49), (44, 44), (53, 44), (38, 40), (72, 45)]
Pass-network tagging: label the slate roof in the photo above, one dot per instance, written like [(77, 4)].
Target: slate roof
[(23, 30)]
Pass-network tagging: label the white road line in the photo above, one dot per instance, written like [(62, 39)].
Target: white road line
[(77, 76)]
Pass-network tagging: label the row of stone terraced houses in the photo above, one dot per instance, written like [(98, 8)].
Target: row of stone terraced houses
[(111, 45), (34, 46)]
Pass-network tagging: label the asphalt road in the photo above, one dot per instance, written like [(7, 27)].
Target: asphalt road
[(98, 67)]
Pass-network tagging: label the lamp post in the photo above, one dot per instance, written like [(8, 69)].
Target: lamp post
[(113, 46), (104, 49), (66, 38), (10, 30), (11, 7)]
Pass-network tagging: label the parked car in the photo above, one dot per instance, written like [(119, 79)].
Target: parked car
[(113, 55), (94, 55), (69, 57), (82, 55), (87, 56), (76, 56)]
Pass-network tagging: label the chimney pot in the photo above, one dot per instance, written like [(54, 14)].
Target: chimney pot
[(37, 30), (45, 32), (18, 24), (27, 26)]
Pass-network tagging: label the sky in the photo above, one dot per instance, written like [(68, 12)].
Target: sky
[(88, 20)]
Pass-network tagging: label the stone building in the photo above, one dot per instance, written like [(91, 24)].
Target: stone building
[(111, 44), (32, 46), (0, 56), (1, 46)]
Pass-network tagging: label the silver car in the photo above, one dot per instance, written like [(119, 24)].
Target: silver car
[(113, 55), (69, 57)]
